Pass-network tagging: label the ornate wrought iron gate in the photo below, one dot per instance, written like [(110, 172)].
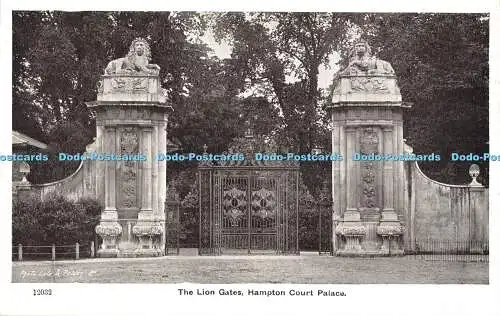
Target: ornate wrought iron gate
[(325, 221), (248, 211), (325, 231), (172, 224), (248, 206)]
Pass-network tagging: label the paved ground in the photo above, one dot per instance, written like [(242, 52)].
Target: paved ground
[(253, 269)]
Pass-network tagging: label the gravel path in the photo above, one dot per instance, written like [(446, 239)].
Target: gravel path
[(254, 269)]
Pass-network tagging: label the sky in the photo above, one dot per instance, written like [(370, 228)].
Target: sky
[(223, 50)]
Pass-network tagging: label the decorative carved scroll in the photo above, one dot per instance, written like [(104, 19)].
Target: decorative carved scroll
[(139, 84), (129, 144), (368, 145), (130, 84), (118, 84), (100, 86), (369, 84)]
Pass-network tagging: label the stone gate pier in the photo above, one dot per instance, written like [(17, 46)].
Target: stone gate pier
[(131, 118), (383, 203), (366, 112)]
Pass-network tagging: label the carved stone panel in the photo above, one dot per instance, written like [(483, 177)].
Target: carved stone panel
[(369, 145), (369, 84), (139, 85), (129, 144), (118, 84)]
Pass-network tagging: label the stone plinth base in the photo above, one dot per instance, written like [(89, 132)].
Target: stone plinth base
[(361, 253), (390, 230), (108, 253), (129, 253), (393, 252), (140, 253), (358, 242), (153, 252)]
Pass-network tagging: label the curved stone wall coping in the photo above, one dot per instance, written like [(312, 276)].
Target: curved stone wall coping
[(437, 182), (68, 178)]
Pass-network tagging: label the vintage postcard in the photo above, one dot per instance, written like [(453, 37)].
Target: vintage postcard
[(285, 157)]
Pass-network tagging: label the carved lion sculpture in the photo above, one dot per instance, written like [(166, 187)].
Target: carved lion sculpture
[(136, 61), (362, 62)]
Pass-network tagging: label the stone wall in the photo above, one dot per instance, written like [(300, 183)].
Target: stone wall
[(444, 212), (81, 183)]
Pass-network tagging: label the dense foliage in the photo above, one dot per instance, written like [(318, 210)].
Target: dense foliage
[(271, 78), (56, 220), (59, 56), (441, 61)]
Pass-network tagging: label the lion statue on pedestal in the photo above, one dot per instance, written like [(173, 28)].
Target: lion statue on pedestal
[(361, 61), (136, 61)]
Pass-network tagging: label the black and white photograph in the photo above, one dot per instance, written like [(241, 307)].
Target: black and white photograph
[(249, 154)]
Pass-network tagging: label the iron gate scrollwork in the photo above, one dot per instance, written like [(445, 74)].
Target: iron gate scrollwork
[(248, 207), (172, 222), (325, 221), (248, 212)]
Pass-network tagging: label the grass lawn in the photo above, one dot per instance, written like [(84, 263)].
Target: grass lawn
[(252, 269)]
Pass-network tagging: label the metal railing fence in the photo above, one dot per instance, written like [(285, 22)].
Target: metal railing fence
[(53, 252)]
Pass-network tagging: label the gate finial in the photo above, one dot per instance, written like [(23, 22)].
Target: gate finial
[(249, 129)]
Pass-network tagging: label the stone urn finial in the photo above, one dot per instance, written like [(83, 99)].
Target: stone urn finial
[(24, 169), (474, 172)]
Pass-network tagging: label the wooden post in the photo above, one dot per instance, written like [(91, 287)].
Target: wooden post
[(77, 251), (20, 252), (96, 243), (92, 253), (53, 252)]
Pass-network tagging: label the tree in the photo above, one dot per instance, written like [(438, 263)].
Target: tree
[(57, 67), (441, 61), (268, 47), (59, 56)]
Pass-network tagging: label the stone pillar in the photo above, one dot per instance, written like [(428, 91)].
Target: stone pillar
[(100, 166), (352, 183), (388, 172), (147, 227), (478, 212), (366, 111), (109, 229), (162, 174), (110, 171), (147, 195), (390, 228), (350, 228), (131, 120)]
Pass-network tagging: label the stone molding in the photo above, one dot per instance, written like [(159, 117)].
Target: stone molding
[(108, 229), (366, 89), (351, 230), (131, 88), (392, 229), (147, 229)]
